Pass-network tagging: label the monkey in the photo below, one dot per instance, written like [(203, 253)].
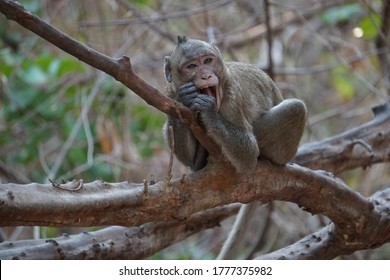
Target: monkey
[(239, 107)]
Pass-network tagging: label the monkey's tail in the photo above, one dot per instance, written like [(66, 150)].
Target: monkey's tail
[(240, 226)]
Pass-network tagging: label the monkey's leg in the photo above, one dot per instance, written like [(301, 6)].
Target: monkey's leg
[(280, 129), (187, 149)]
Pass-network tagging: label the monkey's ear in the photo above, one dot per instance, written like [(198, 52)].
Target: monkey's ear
[(214, 46), (167, 68), (181, 39)]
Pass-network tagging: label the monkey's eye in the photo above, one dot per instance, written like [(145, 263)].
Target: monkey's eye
[(208, 60), (191, 66)]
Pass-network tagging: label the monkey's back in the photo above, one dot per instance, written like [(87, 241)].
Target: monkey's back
[(247, 91)]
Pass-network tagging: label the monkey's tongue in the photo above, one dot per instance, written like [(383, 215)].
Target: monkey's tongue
[(208, 91), (213, 91)]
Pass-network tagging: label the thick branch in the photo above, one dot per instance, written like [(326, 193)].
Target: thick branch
[(328, 243), (358, 223), (362, 146), (126, 203), (116, 242), (174, 201)]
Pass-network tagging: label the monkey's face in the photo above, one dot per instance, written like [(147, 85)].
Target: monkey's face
[(202, 71), (197, 62)]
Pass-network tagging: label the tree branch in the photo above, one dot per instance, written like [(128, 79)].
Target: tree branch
[(259, 31), (358, 224), (329, 242), (355, 219), (116, 242), (126, 204), (120, 68), (362, 146)]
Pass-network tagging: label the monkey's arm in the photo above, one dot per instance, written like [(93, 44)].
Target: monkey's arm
[(237, 145), (187, 149)]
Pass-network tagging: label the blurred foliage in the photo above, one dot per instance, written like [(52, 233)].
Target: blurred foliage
[(370, 26), (343, 82), (341, 14), (327, 58), (42, 99)]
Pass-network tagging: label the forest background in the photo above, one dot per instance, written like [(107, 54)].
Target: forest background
[(62, 120)]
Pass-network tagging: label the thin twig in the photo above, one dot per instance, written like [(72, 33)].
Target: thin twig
[(72, 186), (172, 148), (270, 68), (148, 19), (146, 190)]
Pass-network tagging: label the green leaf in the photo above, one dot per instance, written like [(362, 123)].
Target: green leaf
[(144, 3), (49, 232), (53, 68), (101, 170), (34, 75), (43, 61), (70, 65), (343, 83), (370, 26), (24, 96), (33, 6), (77, 155), (340, 14), (7, 61), (5, 69)]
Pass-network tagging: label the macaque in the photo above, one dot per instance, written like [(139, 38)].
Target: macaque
[(238, 105)]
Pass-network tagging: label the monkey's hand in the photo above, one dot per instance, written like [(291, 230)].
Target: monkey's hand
[(190, 96)]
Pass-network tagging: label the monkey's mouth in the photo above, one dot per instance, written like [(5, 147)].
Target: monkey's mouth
[(215, 92)]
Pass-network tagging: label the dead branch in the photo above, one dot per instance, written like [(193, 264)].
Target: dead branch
[(260, 31), (125, 204), (355, 229), (360, 147), (158, 18), (171, 156), (355, 219), (116, 242), (329, 242), (382, 40)]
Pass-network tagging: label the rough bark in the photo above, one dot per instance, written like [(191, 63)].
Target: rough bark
[(116, 242), (362, 146), (81, 204), (357, 222), (330, 241)]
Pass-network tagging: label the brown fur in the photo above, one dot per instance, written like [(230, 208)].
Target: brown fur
[(251, 120)]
